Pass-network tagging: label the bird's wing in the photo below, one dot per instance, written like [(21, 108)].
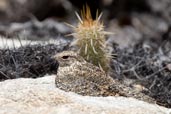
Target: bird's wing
[(94, 74)]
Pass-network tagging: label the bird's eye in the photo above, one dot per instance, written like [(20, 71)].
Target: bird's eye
[(65, 57)]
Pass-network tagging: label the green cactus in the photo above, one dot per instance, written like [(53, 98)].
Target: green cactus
[(90, 38)]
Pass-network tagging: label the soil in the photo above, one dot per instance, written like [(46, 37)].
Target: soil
[(148, 65), (29, 61)]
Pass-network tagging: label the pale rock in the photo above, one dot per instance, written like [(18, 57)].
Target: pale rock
[(40, 96)]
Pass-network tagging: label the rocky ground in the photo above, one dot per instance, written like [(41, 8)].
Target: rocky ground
[(142, 40)]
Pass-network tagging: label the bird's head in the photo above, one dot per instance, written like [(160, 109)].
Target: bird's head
[(66, 58)]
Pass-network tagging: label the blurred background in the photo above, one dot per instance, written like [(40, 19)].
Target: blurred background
[(130, 20)]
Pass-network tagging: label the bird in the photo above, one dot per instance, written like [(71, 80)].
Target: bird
[(77, 75)]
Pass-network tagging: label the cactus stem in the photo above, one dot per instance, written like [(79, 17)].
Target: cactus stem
[(90, 39)]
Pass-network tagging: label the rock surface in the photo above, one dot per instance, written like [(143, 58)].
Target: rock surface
[(28, 96)]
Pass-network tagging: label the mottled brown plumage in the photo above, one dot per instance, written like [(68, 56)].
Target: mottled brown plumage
[(76, 75)]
